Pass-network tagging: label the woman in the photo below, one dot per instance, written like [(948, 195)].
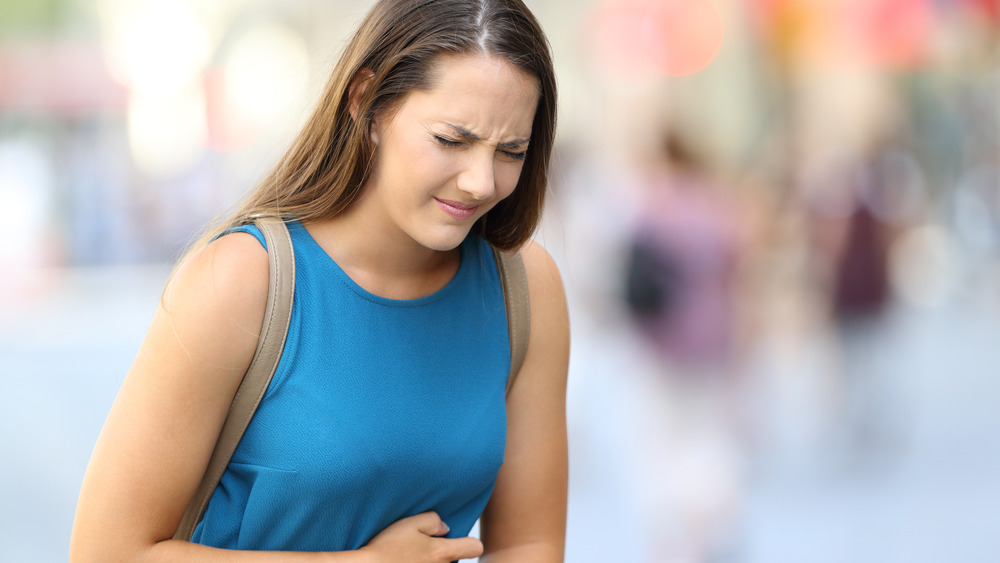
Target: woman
[(385, 432)]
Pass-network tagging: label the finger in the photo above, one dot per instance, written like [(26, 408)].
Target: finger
[(463, 548), (431, 524)]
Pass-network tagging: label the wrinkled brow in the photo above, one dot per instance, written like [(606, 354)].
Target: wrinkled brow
[(470, 136)]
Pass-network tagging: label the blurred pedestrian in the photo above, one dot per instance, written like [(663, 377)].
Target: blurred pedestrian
[(854, 221), (683, 262), (681, 287)]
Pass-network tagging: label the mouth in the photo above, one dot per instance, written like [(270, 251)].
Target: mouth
[(457, 210)]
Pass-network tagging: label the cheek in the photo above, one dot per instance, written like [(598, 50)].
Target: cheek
[(506, 177), (412, 164), (419, 159)]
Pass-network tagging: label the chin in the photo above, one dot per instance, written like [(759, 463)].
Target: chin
[(442, 245), (445, 240)]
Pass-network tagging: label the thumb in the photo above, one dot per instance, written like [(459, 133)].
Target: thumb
[(463, 548)]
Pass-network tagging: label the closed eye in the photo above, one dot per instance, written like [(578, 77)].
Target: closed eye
[(514, 155), (446, 142)]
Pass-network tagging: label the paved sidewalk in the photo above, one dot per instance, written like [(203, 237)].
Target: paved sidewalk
[(926, 492)]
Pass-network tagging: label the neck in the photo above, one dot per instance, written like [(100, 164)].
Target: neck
[(382, 261)]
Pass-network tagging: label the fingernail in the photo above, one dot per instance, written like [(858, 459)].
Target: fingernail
[(446, 528)]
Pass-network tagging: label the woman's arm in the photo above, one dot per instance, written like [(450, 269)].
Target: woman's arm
[(164, 422), (525, 520)]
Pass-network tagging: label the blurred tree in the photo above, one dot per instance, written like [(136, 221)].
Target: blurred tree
[(35, 17)]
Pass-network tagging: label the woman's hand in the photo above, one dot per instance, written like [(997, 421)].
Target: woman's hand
[(417, 539)]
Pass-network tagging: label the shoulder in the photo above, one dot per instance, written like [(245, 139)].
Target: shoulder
[(549, 324), (220, 286), (235, 262), (544, 280)]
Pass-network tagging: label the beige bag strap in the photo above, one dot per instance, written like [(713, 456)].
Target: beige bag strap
[(278, 312), (514, 282)]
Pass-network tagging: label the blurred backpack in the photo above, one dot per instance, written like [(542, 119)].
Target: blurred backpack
[(652, 278)]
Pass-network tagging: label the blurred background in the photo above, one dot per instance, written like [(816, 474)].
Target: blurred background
[(778, 223)]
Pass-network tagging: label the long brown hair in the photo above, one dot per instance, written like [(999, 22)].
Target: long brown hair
[(395, 48)]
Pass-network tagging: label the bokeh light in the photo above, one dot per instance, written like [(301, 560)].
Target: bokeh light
[(682, 37), (154, 46), (672, 37), (167, 134), (889, 33), (26, 187), (263, 79), (926, 266)]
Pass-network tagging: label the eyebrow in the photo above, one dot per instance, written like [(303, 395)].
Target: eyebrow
[(470, 136)]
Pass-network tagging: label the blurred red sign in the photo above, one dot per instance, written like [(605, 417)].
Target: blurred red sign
[(60, 77)]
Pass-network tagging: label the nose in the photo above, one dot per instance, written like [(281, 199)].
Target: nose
[(477, 178)]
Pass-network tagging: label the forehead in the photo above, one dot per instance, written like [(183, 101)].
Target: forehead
[(447, 67), (484, 93)]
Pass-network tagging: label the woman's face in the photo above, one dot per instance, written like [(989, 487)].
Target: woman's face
[(449, 154)]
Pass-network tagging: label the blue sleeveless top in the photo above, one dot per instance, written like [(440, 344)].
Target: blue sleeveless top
[(379, 409)]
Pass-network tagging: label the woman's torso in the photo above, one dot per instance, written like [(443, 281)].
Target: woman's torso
[(378, 410)]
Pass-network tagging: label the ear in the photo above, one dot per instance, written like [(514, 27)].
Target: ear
[(357, 89)]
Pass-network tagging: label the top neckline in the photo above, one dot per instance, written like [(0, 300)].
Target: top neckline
[(314, 246)]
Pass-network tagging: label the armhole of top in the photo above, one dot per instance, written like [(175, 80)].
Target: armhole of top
[(249, 229)]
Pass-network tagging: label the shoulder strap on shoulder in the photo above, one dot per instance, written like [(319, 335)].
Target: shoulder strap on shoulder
[(277, 313), (514, 282)]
